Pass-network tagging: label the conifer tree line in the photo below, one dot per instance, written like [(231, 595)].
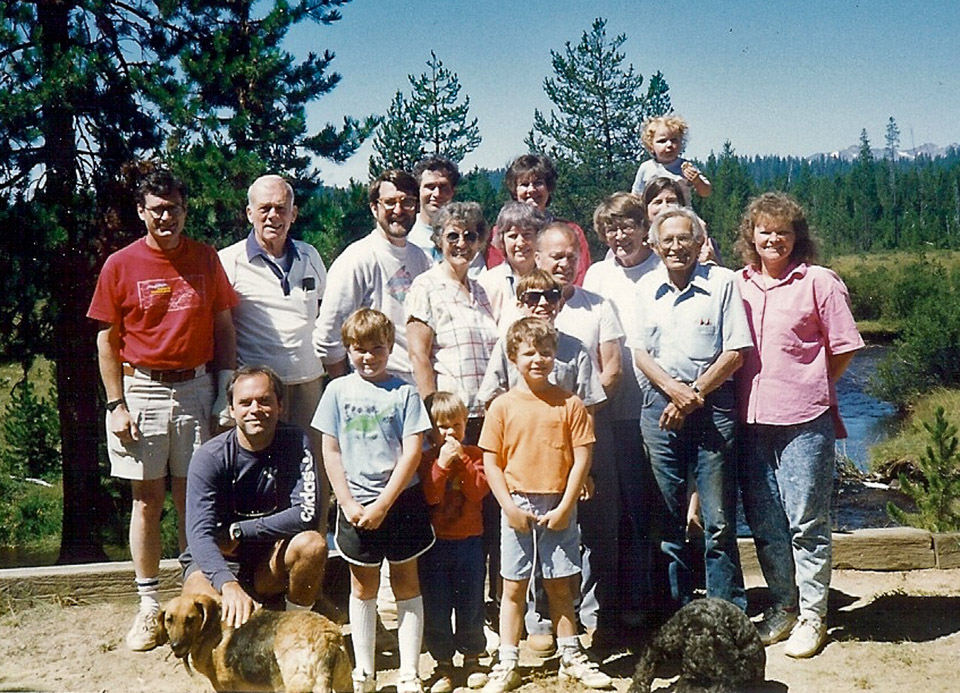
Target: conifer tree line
[(92, 89)]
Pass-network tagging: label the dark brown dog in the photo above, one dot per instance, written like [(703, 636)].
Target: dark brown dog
[(275, 650)]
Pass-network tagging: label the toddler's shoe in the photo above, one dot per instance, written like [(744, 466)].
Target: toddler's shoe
[(503, 677)]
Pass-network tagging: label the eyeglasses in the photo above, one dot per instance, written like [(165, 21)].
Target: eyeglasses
[(266, 485), (682, 241), (534, 296), (159, 212), (452, 237), (407, 203), (623, 228)]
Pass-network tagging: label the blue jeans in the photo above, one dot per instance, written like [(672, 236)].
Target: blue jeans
[(786, 480), (703, 450), (451, 583)]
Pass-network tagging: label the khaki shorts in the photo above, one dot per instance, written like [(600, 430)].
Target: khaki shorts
[(174, 420)]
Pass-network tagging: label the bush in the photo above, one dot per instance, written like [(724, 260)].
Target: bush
[(31, 428), (29, 513)]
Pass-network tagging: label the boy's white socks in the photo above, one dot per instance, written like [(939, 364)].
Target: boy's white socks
[(509, 654), (363, 629), (568, 646), (410, 633)]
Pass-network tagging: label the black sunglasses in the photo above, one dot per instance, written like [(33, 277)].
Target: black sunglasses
[(532, 297)]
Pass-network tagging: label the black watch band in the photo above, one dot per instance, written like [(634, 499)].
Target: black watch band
[(114, 403)]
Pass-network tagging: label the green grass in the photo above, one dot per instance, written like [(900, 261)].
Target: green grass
[(911, 440), (849, 264), (41, 375)]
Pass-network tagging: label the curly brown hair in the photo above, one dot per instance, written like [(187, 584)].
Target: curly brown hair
[(783, 207)]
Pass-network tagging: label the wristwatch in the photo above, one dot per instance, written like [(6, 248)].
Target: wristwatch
[(695, 387), (235, 532), (114, 403)]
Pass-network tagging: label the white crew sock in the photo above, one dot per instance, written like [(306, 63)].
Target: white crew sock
[(149, 591), (297, 607), (410, 633), (363, 626)]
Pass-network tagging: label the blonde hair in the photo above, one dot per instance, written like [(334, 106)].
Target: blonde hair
[(672, 123), (367, 325), (616, 209), (536, 331), (445, 406)]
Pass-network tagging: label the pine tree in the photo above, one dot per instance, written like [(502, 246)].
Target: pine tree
[(87, 88), (433, 120), (593, 130)]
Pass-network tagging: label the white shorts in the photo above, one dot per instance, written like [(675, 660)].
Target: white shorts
[(174, 420)]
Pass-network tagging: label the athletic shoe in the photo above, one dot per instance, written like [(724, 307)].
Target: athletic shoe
[(476, 673), (145, 629), (503, 677), (442, 678), (807, 637), (776, 625), (364, 683), (542, 644), (578, 667), (409, 683)]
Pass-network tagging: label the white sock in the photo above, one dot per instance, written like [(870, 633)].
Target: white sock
[(149, 591), (568, 646), (363, 626), (509, 654), (410, 633), (296, 607)]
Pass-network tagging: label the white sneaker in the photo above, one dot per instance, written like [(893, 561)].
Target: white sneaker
[(776, 625), (807, 637), (578, 667), (146, 626), (409, 683), (363, 682), (503, 677)]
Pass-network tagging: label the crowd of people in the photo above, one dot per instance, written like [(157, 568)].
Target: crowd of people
[(519, 434)]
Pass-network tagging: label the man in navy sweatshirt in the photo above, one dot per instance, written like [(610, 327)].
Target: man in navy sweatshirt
[(253, 508)]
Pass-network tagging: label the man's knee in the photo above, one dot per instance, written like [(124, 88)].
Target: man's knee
[(306, 549)]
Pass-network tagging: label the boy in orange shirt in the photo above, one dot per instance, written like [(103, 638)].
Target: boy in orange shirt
[(451, 572), (537, 439)]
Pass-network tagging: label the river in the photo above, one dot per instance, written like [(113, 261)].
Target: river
[(868, 419)]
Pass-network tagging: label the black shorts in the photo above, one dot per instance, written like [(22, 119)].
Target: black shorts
[(404, 534)]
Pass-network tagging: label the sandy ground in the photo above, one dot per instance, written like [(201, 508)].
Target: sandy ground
[(896, 631)]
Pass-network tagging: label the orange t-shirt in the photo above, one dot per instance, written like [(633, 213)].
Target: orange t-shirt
[(534, 436)]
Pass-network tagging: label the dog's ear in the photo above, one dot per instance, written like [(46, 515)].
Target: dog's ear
[(162, 637), (209, 610), (342, 669)]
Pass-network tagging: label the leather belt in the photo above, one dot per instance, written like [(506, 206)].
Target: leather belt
[(159, 376)]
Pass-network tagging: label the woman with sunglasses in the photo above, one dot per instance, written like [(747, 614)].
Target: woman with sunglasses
[(450, 326)]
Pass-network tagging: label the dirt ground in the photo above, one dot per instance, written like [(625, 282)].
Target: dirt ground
[(891, 631)]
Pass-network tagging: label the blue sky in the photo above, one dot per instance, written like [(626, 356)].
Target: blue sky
[(771, 77)]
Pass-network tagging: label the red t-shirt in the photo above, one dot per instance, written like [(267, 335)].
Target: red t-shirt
[(455, 494), (163, 303)]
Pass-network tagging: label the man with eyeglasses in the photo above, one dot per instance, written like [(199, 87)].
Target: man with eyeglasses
[(253, 507), (375, 272), (163, 303)]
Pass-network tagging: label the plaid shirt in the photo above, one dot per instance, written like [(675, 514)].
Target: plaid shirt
[(464, 331)]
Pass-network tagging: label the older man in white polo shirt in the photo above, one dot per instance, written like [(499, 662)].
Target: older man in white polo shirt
[(280, 282)]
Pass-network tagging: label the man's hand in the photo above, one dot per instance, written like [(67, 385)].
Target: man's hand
[(518, 519), (123, 426), (220, 418), (555, 519), (236, 605), (588, 489), (684, 398), (671, 419)]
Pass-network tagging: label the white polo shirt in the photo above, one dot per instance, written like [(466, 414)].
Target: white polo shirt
[(278, 309), (686, 330)]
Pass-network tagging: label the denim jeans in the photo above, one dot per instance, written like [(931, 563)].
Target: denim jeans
[(451, 582), (786, 480), (703, 450)]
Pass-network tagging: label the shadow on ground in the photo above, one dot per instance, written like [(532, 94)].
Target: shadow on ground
[(896, 617)]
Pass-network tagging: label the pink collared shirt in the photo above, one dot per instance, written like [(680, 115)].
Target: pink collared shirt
[(796, 322)]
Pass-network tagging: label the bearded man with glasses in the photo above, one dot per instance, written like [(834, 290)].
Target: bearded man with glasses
[(163, 303), (375, 272), (253, 506)]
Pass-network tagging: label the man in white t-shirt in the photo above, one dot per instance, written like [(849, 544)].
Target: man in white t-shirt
[(375, 272), (279, 281)]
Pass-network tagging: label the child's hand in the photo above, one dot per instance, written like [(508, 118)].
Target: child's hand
[(519, 520), (554, 519), (690, 172), (450, 452), (353, 511), (372, 517)]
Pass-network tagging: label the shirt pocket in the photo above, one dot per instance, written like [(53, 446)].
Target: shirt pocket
[(703, 342)]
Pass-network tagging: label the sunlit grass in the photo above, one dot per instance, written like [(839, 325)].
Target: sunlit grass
[(909, 443)]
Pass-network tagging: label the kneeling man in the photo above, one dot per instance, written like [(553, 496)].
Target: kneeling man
[(252, 506)]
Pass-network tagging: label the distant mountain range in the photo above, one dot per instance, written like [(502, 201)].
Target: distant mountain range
[(850, 153)]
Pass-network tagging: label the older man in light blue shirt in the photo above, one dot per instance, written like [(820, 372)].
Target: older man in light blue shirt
[(687, 340)]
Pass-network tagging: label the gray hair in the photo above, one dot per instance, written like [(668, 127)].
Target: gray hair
[(269, 178), (468, 215), (521, 215), (671, 211)]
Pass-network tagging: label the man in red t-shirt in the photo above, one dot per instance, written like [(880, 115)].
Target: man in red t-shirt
[(163, 303)]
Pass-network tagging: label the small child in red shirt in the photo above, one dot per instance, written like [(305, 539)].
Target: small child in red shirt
[(452, 571)]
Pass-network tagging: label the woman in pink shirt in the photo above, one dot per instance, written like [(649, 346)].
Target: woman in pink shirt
[(805, 338)]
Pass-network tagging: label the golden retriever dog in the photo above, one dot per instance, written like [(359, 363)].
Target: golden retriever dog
[(275, 650)]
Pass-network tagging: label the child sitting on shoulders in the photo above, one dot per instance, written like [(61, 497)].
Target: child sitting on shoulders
[(665, 137), (537, 439), (451, 573), (373, 425)]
